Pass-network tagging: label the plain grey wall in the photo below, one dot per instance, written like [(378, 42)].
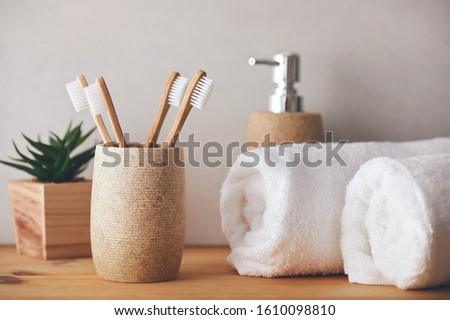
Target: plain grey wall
[(376, 70)]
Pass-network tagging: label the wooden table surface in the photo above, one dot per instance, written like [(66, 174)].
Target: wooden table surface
[(204, 274)]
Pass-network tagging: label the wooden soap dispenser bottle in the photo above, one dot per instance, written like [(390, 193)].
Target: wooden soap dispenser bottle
[(285, 122)]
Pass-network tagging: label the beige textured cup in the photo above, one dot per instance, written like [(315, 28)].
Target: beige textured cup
[(138, 213)]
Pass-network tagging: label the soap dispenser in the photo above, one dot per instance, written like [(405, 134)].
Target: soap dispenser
[(285, 122)]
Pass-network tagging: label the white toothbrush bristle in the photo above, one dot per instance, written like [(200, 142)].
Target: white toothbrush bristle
[(202, 92), (177, 91), (95, 99), (77, 96)]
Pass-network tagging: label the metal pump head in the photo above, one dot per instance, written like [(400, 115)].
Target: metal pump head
[(285, 74)]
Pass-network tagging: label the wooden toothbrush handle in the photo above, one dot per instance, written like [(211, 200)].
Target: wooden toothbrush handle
[(102, 129), (185, 108), (161, 113), (97, 118), (111, 112)]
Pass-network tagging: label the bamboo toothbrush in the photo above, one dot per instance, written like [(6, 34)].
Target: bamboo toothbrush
[(79, 101), (196, 95), (100, 100), (171, 96)]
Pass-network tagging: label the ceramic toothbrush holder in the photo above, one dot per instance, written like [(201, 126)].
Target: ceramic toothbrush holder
[(138, 213)]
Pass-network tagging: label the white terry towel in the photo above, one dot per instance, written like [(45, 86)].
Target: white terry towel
[(283, 220), (396, 222)]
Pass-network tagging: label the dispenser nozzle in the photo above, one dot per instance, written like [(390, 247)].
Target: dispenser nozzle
[(285, 74), (253, 61)]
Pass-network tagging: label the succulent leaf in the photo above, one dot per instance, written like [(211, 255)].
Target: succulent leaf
[(83, 138), (26, 169), (73, 138)]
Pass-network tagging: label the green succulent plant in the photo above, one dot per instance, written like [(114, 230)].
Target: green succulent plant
[(53, 161)]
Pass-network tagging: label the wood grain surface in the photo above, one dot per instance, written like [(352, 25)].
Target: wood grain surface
[(52, 219), (204, 274)]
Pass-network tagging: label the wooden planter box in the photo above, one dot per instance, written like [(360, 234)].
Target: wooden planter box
[(51, 220)]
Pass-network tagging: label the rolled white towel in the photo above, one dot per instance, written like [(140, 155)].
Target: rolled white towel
[(284, 220), (396, 222)]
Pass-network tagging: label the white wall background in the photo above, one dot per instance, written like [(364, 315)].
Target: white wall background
[(376, 70)]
